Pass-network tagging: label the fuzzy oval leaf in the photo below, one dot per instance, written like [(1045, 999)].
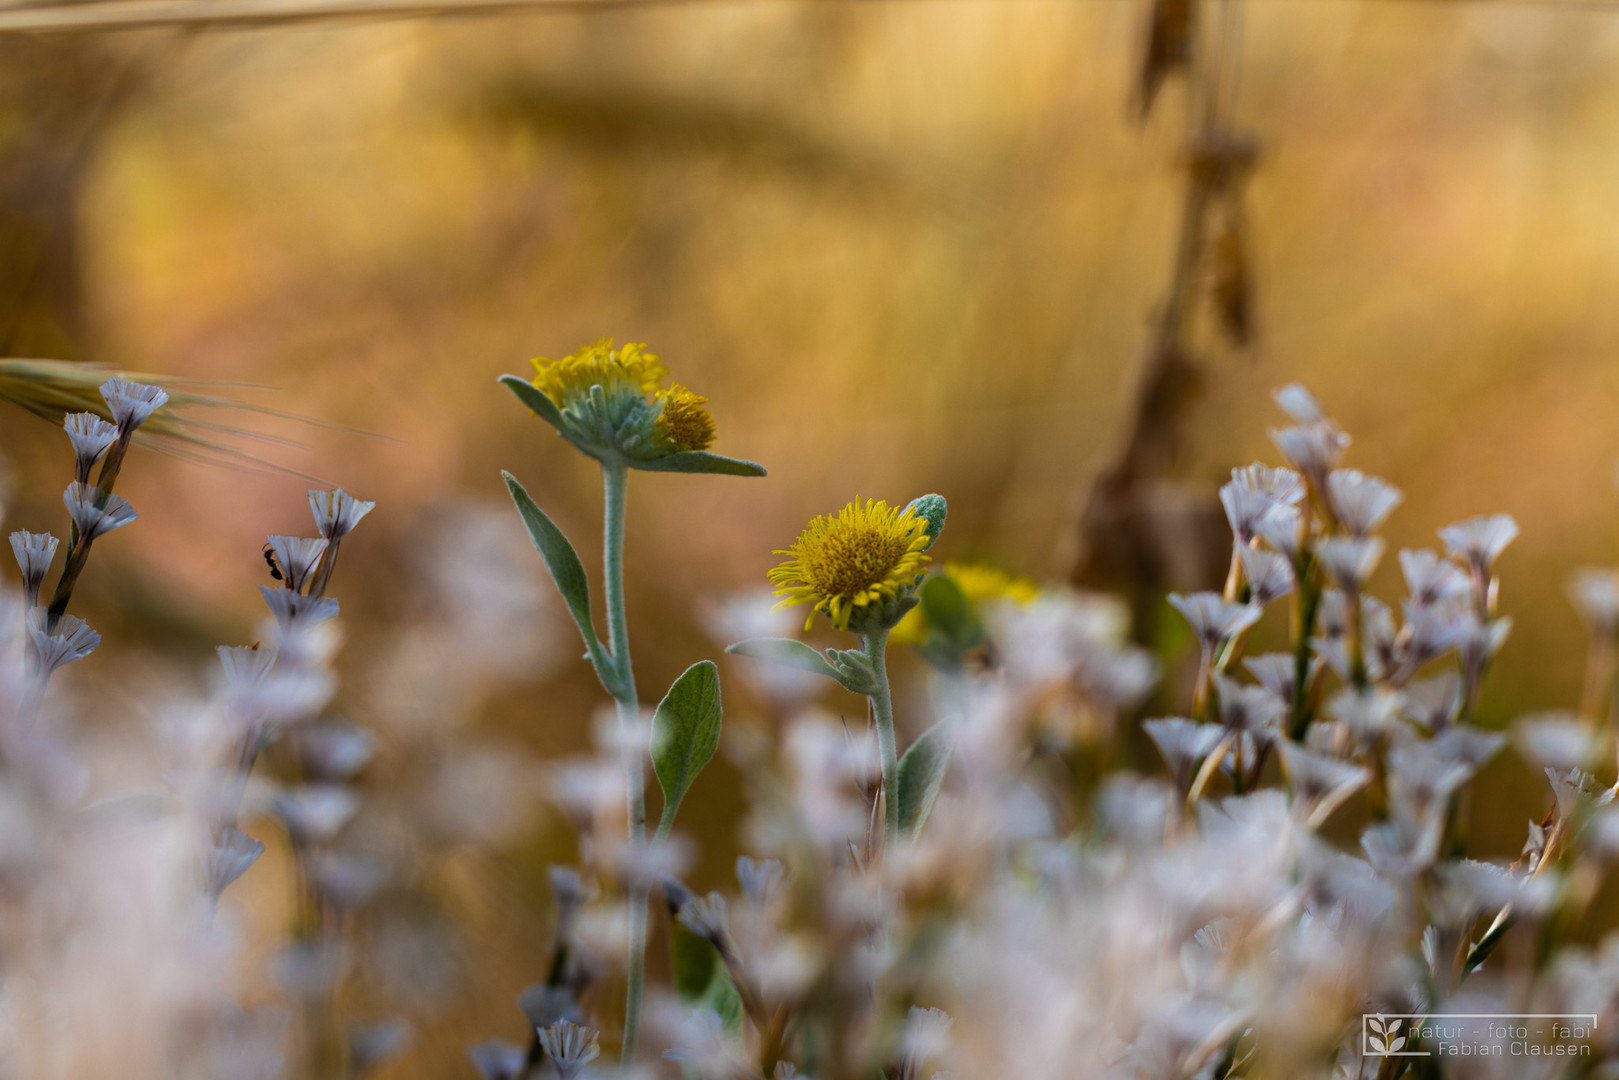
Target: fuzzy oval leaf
[(685, 734), (921, 771), (945, 605), (789, 652), (700, 461), (932, 509), (538, 403), (560, 559)]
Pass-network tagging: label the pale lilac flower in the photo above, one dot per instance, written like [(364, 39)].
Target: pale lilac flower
[(1276, 672), (69, 640), (333, 751), (1213, 618), (1250, 709), (1270, 576), (90, 436), (131, 402), (34, 552), (1320, 783), (1430, 579), (1135, 810), (289, 607), (1280, 528), (315, 813), (1556, 740), (370, 1045), (1182, 743), (1595, 593), (1433, 702), (926, 1036), (1313, 448), (1467, 745), (1280, 485), (700, 1042), (1480, 540), (1349, 560), (337, 512), (1368, 715), (496, 1060), (760, 880), (1298, 403), (706, 917), (1359, 501), (1253, 493), (230, 857), (1576, 789), (93, 513), (298, 557)]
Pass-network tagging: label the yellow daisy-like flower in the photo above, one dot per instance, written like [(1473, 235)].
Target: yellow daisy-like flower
[(979, 583), (630, 368), (869, 554), (684, 423)]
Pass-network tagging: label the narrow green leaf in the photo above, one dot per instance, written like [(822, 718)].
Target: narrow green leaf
[(530, 395), (796, 654), (566, 570), (921, 771), (685, 734), (700, 461)]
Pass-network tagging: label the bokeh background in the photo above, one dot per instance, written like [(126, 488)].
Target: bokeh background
[(901, 246)]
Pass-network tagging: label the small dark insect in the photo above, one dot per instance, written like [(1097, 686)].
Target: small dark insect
[(275, 568)]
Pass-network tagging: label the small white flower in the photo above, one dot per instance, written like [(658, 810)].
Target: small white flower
[(1556, 740), (231, 856), (1595, 592), (1349, 560), (760, 880), (1270, 576), (335, 751), (1430, 579), (1433, 702), (1182, 743), (34, 553), (1480, 540), (1320, 783), (1298, 403), (315, 813), (337, 512), (496, 1060), (1213, 618), (69, 640), (131, 402), (569, 1046), (298, 557), (289, 607), (93, 513), (1280, 528), (1251, 709), (1361, 502), (706, 917), (90, 436), (1313, 448)]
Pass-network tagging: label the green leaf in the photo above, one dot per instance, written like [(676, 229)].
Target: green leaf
[(701, 981), (530, 395), (566, 570), (796, 654), (945, 606), (699, 461), (921, 771), (685, 734)]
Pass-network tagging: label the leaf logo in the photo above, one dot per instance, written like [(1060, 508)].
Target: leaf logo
[(1383, 1035)]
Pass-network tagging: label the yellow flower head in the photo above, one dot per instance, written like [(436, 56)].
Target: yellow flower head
[(980, 583), (631, 369), (684, 423), (854, 563)]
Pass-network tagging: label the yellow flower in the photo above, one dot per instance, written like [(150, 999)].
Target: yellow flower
[(857, 562), (683, 422), (979, 583), (631, 369)]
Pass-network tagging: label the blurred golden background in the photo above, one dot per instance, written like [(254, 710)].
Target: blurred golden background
[(902, 247)]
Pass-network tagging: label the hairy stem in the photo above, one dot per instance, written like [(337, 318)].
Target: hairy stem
[(882, 707), (614, 477)]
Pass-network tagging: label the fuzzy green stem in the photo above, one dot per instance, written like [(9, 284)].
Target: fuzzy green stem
[(614, 478), (882, 707)]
